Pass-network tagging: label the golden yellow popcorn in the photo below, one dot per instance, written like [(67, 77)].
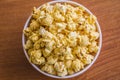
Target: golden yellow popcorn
[(34, 37), (68, 50), (68, 63), (73, 15), (34, 25), (70, 71), (77, 50), (50, 45), (37, 45), (70, 8), (69, 56), (36, 54), (48, 68), (53, 29), (52, 59), (45, 33), (72, 42), (94, 35), (59, 66), (61, 39), (84, 40), (61, 58), (28, 44), (87, 58), (61, 8), (37, 61), (63, 73), (36, 13), (91, 19), (46, 52), (58, 16), (61, 26), (48, 8), (72, 26), (81, 20), (30, 51), (73, 35), (83, 50), (77, 65), (46, 20), (27, 32), (93, 47)]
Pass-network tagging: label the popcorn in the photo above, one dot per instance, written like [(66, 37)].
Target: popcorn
[(74, 15), (81, 20), (68, 50), (37, 61), (48, 8), (27, 32), (72, 26), (46, 20), (93, 47), (59, 66), (50, 45), (77, 50), (72, 42), (84, 40), (34, 37), (87, 58), (36, 13), (48, 68), (58, 17), (42, 31), (60, 26), (28, 44), (36, 54), (69, 57), (77, 65), (34, 25), (63, 73), (94, 35), (61, 58), (52, 59), (46, 52), (73, 35), (91, 19), (68, 63), (45, 33), (70, 71), (61, 8), (61, 38)]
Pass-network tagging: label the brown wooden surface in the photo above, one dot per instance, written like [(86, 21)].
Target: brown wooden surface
[(13, 63)]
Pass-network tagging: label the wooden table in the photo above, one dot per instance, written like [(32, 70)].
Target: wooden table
[(13, 63)]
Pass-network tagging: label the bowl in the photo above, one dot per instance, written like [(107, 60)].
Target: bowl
[(77, 73)]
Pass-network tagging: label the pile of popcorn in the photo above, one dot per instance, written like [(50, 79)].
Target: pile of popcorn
[(61, 39)]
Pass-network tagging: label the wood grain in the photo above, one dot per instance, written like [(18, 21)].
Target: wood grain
[(13, 63)]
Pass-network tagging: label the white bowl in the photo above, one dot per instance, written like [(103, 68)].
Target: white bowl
[(77, 73)]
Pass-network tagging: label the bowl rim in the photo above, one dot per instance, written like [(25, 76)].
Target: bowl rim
[(77, 73)]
